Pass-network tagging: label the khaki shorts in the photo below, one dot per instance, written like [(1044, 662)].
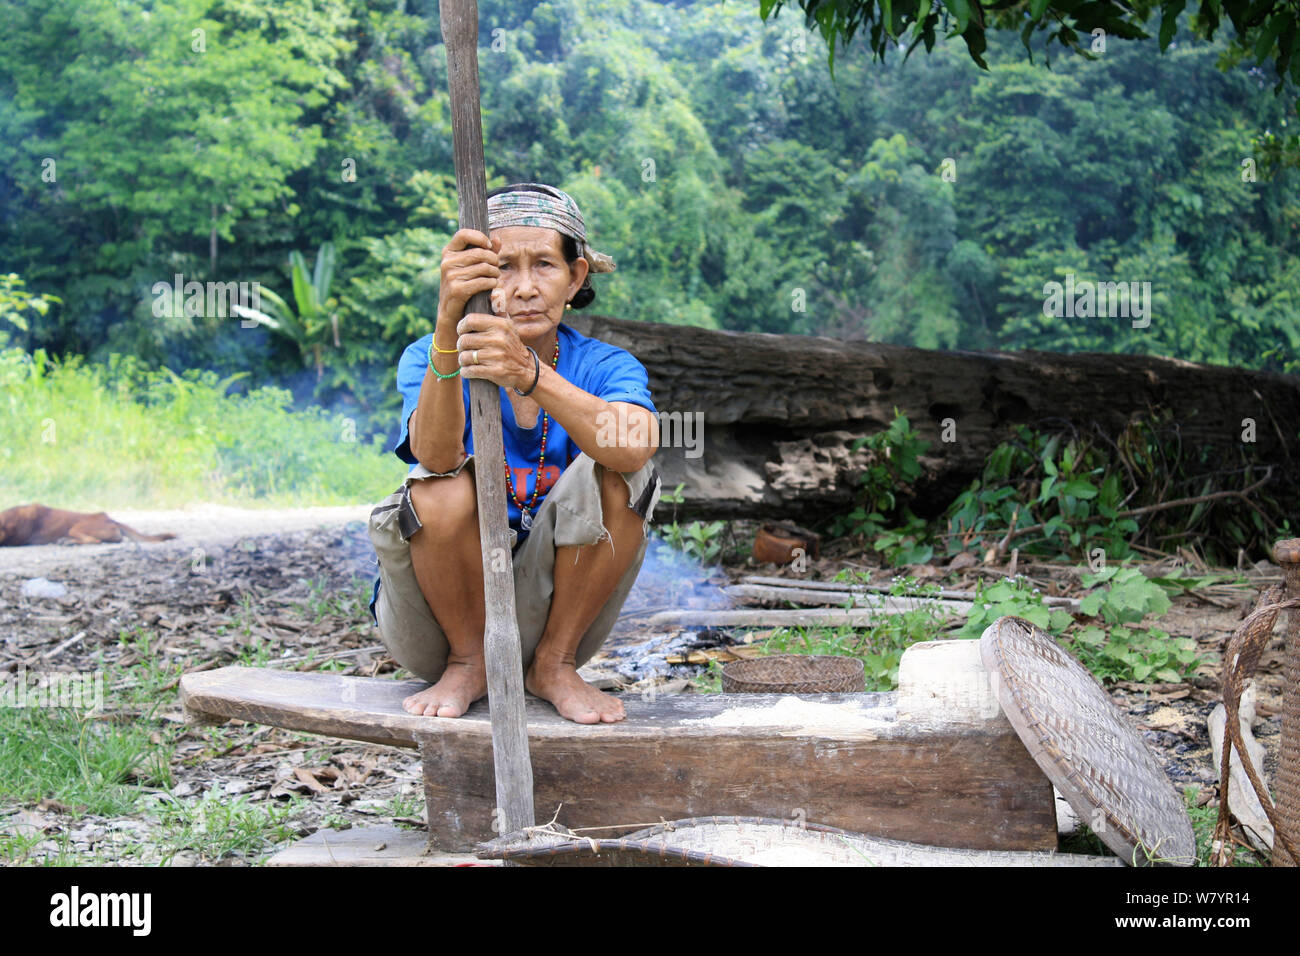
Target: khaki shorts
[(569, 515)]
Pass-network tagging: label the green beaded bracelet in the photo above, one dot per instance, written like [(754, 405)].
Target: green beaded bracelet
[(434, 370)]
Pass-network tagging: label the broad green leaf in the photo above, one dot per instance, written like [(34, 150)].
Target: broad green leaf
[(1091, 603), (961, 10), (303, 293), (1078, 488), (1267, 36), (323, 273), (1093, 636)]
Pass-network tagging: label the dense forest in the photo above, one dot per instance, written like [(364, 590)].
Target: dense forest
[(737, 184)]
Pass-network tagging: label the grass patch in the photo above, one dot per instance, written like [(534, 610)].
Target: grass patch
[(215, 826), (327, 601), (1085, 842), (149, 682), (238, 449), (405, 804), (98, 762), (117, 762), (1203, 821), (95, 766)]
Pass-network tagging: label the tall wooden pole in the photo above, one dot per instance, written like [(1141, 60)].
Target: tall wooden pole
[(514, 772)]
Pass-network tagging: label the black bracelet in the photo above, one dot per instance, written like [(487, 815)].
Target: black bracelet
[(537, 373)]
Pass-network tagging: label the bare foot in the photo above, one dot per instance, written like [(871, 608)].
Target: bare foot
[(556, 679), (463, 682)]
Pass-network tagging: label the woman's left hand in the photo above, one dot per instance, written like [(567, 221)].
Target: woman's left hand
[(490, 348)]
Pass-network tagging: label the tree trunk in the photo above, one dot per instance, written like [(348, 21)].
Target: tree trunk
[(779, 411)]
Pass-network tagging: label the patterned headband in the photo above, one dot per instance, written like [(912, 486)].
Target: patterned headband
[(555, 209)]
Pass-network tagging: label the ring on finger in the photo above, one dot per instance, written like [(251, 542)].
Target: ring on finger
[(476, 356)]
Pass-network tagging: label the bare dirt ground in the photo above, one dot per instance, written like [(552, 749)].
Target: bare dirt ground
[(289, 588), (198, 527)]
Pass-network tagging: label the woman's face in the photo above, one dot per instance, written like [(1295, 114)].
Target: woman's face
[(535, 280)]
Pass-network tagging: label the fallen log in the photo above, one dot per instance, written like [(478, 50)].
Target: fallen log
[(794, 617), (779, 411), (890, 605), (857, 589)]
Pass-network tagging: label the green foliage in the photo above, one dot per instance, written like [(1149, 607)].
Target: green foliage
[(168, 127), (737, 185), (1204, 820), (1072, 495), (1129, 596), (406, 805), (911, 284), (215, 825), (1119, 651), (15, 301), (883, 487), (674, 497), (905, 544), (113, 419), (1179, 583), (1264, 31), (315, 314), (1066, 487), (1017, 598), (1127, 653), (698, 539)]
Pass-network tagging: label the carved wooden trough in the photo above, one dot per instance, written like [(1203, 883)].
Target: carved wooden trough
[(934, 763)]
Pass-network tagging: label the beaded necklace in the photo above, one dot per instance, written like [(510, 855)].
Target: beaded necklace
[(525, 511)]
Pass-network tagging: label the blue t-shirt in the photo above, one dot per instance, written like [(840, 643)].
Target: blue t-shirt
[(597, 367)]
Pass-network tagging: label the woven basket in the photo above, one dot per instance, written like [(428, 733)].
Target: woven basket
[(1085, 746), (794, 674)]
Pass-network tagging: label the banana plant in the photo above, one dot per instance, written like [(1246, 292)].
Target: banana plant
[(315, 312)]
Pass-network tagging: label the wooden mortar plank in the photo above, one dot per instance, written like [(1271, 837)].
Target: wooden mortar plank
[(355, 708), (923, 784), (944, 767), (933, 764)]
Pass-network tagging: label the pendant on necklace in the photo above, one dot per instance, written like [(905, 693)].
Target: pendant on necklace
[(526, 520)]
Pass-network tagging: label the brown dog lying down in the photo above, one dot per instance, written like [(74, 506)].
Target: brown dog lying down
[(37, 524)]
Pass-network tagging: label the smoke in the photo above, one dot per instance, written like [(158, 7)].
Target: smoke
[(672, 578), (669, 580)]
